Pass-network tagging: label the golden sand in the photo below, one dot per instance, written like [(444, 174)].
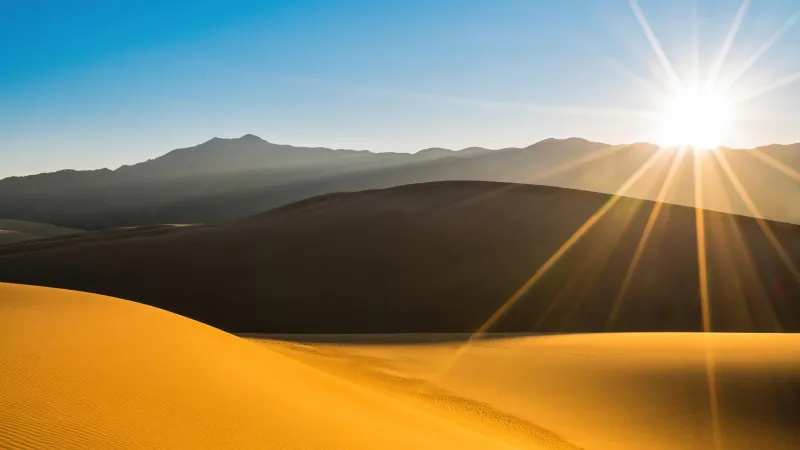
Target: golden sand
[(85, 371), (595, 391)]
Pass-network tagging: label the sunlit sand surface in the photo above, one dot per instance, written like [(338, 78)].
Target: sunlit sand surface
[(596, 391), (86, 371)]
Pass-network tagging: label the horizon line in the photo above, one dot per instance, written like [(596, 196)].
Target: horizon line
[(376, 152)]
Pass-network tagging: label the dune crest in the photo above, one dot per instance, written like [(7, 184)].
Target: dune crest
[(86, 371), (408, 259)]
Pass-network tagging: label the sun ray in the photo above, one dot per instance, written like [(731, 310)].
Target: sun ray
[(648, 229), (590, 271), (428, 97), (511, 106), (751, 273), (655, 44), (695, 44), (575, 163), (737, 254), (569, 165), (733, 246), (767, 89), (751, 206), (701, 243), (572, 110), (702, 266), (705, 306), (726, 46), (753, 59), (775, 164), (567, 245), (544, 268), (565, 291), (623, 69)]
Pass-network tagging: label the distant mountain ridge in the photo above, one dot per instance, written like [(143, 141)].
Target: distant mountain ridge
[(248, 152), (244, 153), (226, 179)]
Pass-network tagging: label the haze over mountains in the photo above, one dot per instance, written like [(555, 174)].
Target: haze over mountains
[(410, 258), (227, 179)]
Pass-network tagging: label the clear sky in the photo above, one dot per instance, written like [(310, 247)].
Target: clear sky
[(89, 84)]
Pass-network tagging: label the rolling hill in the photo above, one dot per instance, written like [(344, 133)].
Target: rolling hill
[(14, 231), (442, 257)]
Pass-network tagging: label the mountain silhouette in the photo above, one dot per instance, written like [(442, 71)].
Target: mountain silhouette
[(228, 179)]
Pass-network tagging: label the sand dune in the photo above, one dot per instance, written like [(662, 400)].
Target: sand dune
[(15, 231), (596, 391), (85, 371), (438, 257)]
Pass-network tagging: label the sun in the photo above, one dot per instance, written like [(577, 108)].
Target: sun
[(695, 118)]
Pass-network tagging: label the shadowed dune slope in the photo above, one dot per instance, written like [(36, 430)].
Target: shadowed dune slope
[(83, 371), (14, 231), (612, 391), (440, 257)]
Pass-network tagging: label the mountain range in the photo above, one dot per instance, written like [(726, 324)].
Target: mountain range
[(228, 179)]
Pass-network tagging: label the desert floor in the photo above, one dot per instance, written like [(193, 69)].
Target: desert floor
[(87, 371)]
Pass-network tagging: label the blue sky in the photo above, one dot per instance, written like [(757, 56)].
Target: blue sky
[(91, 84)]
